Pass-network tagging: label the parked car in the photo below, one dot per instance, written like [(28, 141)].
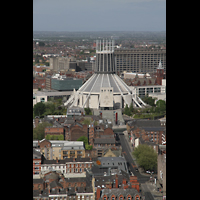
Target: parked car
[(149, 172)]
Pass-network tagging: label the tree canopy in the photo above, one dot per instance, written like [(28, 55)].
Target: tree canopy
[(39, 109), (146, 157), (54, 137), (39, 131), (160, 106), (149, 100), (127, 111), (85, 140), (88, 111)]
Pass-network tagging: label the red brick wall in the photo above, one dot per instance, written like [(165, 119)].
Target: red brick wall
[(34, 165), (77, 131), (54, 131), (37, 185), (45, 143)]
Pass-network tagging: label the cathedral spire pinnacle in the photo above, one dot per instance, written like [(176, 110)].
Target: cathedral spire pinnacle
[(160, 65)]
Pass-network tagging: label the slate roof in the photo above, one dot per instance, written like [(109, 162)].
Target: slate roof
[(118, 191), (104, 141), (54, 184), (37, 180), (113, 162), (36, 154), (144, 123), (54, 162)]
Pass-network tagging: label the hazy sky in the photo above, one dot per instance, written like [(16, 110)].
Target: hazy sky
[(99, 15)]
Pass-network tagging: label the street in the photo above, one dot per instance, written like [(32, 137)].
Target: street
[(141, 178)]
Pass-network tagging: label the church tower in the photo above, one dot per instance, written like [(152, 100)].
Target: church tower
[(159, 73)]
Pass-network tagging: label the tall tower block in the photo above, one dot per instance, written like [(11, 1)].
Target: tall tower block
[(105, 63)]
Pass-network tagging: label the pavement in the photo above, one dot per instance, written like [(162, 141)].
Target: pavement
[(148, 189)]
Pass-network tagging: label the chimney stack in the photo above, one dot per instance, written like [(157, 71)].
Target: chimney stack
[(49, 189), (98, 192), (116, 180)]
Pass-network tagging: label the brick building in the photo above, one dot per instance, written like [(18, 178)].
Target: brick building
[(37, 159), (75, 131), (78, 165), (146, 130), (54, 131), (69, 166), (38, 82), (54, 186), (100, 135), (61, 149), (117, 186)]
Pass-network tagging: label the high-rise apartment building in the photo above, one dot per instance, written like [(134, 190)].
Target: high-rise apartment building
[(139, 60)]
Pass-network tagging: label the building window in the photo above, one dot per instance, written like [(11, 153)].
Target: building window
[(42, 100)]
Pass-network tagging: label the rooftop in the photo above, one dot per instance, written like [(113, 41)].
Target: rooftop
[(47, 93), (97, 81), (119, 191)]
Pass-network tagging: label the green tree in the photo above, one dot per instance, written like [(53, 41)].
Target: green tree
[(48, 137), (88, 111), (54, 137), (146, 157), (160, 106), (49, 108), (60, 137), (86, 121), (88, 147), (39, 109), (131, 107), (84, 139), (149, 100), (39, 131), (127, 111)]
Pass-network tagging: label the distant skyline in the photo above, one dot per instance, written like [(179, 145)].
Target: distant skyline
[(99, 15)]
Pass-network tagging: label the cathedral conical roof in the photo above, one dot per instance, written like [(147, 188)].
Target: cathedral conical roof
[(96, 81)]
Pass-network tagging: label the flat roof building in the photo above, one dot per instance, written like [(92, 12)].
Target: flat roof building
[(139, 60)]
